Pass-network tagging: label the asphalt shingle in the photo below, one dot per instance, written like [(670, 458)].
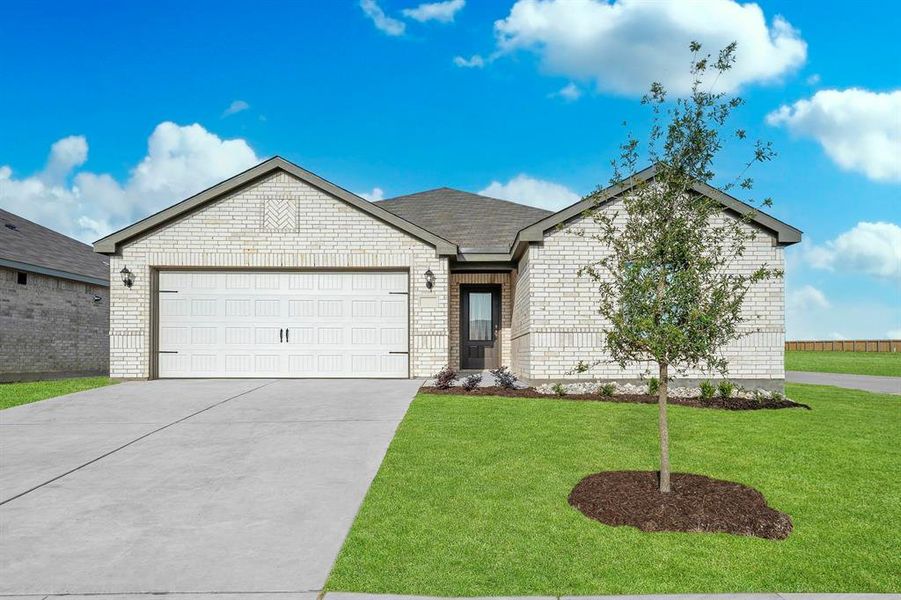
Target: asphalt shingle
[(471, 221), (24, 241)]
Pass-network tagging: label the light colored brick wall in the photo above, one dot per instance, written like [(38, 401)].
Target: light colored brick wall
[(505, 280), (521, 324), (52, 326), (256, 228), (565, 326)]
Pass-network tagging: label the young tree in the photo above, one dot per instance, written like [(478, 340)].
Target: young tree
[(666, 276)]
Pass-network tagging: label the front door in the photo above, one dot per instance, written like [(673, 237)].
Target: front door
[(480, 319)]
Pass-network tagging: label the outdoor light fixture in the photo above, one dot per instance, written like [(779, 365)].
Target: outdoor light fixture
[(128, 277), (429, 279), (96, 299)]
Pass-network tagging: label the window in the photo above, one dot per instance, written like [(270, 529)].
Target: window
[(480, 316), (22, 278)]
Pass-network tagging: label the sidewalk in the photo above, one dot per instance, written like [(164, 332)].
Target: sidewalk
[(867, 383)]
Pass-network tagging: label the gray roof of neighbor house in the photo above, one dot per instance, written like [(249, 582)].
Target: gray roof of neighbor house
[(471, 221), (27, 246)]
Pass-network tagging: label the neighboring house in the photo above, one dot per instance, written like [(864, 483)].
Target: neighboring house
[(54, 303), (279, 273)]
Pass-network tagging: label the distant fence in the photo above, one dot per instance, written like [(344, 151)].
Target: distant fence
[(846, 345)]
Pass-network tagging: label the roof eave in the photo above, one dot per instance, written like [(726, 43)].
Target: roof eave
[(40, 270)]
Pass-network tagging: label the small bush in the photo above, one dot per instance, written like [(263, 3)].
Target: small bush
[(707, 390), (777, 396), (559, 389), (504, 378), (607, 390), (653, 386), (445, 378), (472, 382), (725, 389), (758, 396)]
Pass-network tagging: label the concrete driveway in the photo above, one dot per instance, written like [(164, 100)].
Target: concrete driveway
[(192, 486)]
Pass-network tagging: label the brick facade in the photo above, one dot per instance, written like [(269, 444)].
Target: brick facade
[(277, 222), (52, 327), (556, 324)]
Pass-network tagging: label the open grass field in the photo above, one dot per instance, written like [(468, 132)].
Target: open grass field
[(858, 363), (14, 394), (471, 499)]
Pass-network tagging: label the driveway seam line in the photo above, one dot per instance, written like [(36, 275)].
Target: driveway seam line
[(134, 441)]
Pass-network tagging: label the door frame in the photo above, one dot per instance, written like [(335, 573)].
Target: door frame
[(496, 290)]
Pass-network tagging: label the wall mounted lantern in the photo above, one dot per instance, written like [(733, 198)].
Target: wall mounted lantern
[(128, 277), (96, 299), (429, 279)]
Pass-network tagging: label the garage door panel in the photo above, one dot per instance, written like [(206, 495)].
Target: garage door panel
[(283, 324)]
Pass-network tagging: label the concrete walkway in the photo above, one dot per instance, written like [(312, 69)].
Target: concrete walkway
[(231, 488), (867, 383)]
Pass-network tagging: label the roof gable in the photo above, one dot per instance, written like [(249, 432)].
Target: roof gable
[(784, 233), (27, 246), (471, 221), (110, 243)]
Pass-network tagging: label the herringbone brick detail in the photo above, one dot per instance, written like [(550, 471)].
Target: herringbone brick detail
[(280, 214)]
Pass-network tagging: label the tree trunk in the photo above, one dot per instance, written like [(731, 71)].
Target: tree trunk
[(664, 429)]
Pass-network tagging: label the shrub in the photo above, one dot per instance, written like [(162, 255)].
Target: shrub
[(707, 390), (653, 386), (472, 382), (777, 396), (445, 378), (504, 378), (607, 390), (758, 396), (559, 389), (725, 389)]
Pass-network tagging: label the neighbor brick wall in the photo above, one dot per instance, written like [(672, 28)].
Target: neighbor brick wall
[(306, 229), (505, 280), (52, 326), (564, 326)]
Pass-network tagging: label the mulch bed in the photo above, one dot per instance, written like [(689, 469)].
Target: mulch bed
[(721, 403), (695, 504)]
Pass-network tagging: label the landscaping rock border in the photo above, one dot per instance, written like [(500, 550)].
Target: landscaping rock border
[(733, 403)]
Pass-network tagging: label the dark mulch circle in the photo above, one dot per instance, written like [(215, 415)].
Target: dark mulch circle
[(695, 504), (721, 403)]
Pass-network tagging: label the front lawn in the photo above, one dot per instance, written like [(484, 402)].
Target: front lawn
[(14, 394), (471, 499), (859, 363)]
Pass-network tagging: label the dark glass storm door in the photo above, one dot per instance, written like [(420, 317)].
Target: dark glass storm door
[(480, 320)]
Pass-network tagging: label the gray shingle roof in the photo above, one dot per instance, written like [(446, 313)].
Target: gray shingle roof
[(469, 220), (22, 241)]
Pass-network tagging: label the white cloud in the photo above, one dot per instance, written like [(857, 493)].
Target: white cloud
[(813, 79), (859, 130), (534, 192), (180, 161), (382, 22), (869, 248), (476, 61), (857, 318), (625, 45), (375, 195), (443, 12), (569, 92), (235, 107), (65, 155), (893, 334), (806, 298)]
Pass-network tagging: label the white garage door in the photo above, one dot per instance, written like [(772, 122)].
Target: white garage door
[(273, 324)]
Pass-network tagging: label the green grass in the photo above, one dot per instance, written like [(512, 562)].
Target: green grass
[(859, 363), (14, 394), (471, 499)]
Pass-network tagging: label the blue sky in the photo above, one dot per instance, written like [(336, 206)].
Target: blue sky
[(377, 97)]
